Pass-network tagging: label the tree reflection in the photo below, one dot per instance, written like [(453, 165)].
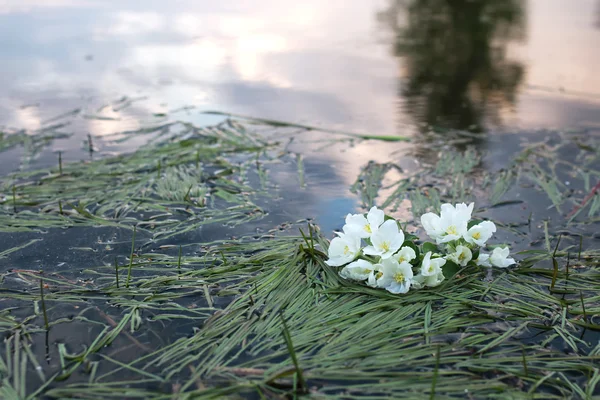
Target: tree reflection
[(454, 68)]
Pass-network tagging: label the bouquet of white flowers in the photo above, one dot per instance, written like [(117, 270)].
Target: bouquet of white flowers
[(392, 260)]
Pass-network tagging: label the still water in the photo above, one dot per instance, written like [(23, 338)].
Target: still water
[(501, 70), (377, 66), (389, 67)]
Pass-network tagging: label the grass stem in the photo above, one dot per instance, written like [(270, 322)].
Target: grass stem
[(14, 197), (130, 259), (288, 341), (585, 318), (525, 369), (179, 262), (46, 324), (117, 272), (90, 146), (435, 373)]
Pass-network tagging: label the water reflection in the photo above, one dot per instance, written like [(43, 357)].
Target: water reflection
[(454, 65)]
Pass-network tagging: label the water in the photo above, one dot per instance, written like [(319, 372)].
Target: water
[(360, 65), (510, 72)]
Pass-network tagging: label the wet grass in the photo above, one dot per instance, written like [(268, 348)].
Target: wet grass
[(169, 183), (264, 316), (504, 335)]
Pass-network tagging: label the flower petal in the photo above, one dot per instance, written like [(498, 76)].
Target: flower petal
[(358, 270), (375, 217)]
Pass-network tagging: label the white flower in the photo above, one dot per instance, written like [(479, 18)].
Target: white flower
[(431, 267), (419, 281), (480, 233), (461, 256), (483, 260), (386, 240), (499, 257), (358, 270), (396, 277), (343, 249), (375, 275), (357, 224), (405, 254), (450, 225)]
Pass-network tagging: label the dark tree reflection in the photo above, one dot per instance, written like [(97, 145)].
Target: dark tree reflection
[(455, 71)]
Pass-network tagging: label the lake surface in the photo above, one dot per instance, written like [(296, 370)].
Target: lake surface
[(507, 85), (369, 66)]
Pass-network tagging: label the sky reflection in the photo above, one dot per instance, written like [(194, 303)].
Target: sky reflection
[(355, 65), (332, 63)]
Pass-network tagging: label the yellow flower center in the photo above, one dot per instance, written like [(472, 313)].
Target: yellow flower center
[(346, 250), (461, 256), (476, 235), (385, 246), (430, 269), (378, 275), (368, 228), (399, 277), (401, 259), (452, 230)]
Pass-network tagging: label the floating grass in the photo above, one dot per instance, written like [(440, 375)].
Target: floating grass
[(292, 352), (114, 192), (283, 124), (5, 253), (369, 182), (340, 333), (262, 313)]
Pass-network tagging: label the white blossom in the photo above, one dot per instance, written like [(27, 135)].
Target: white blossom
[(419, 281), (375, 275), (359, 270), (396, 277), (499, 257), (480, 233), (461, 256), (386, 240), (363, 227), (483, 260), (431, 267), (406, 253), (450, 225), (343, 249)]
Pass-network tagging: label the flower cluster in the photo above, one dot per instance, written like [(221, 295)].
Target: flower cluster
[(372, 248)]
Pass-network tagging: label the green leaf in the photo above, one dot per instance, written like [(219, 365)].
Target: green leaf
[(410, 237), (412, 245), (473, 222), (428, 246), (450, 269)]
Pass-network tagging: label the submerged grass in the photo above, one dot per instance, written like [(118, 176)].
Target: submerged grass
[(267, 317), (166, 183), (349, 341)]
